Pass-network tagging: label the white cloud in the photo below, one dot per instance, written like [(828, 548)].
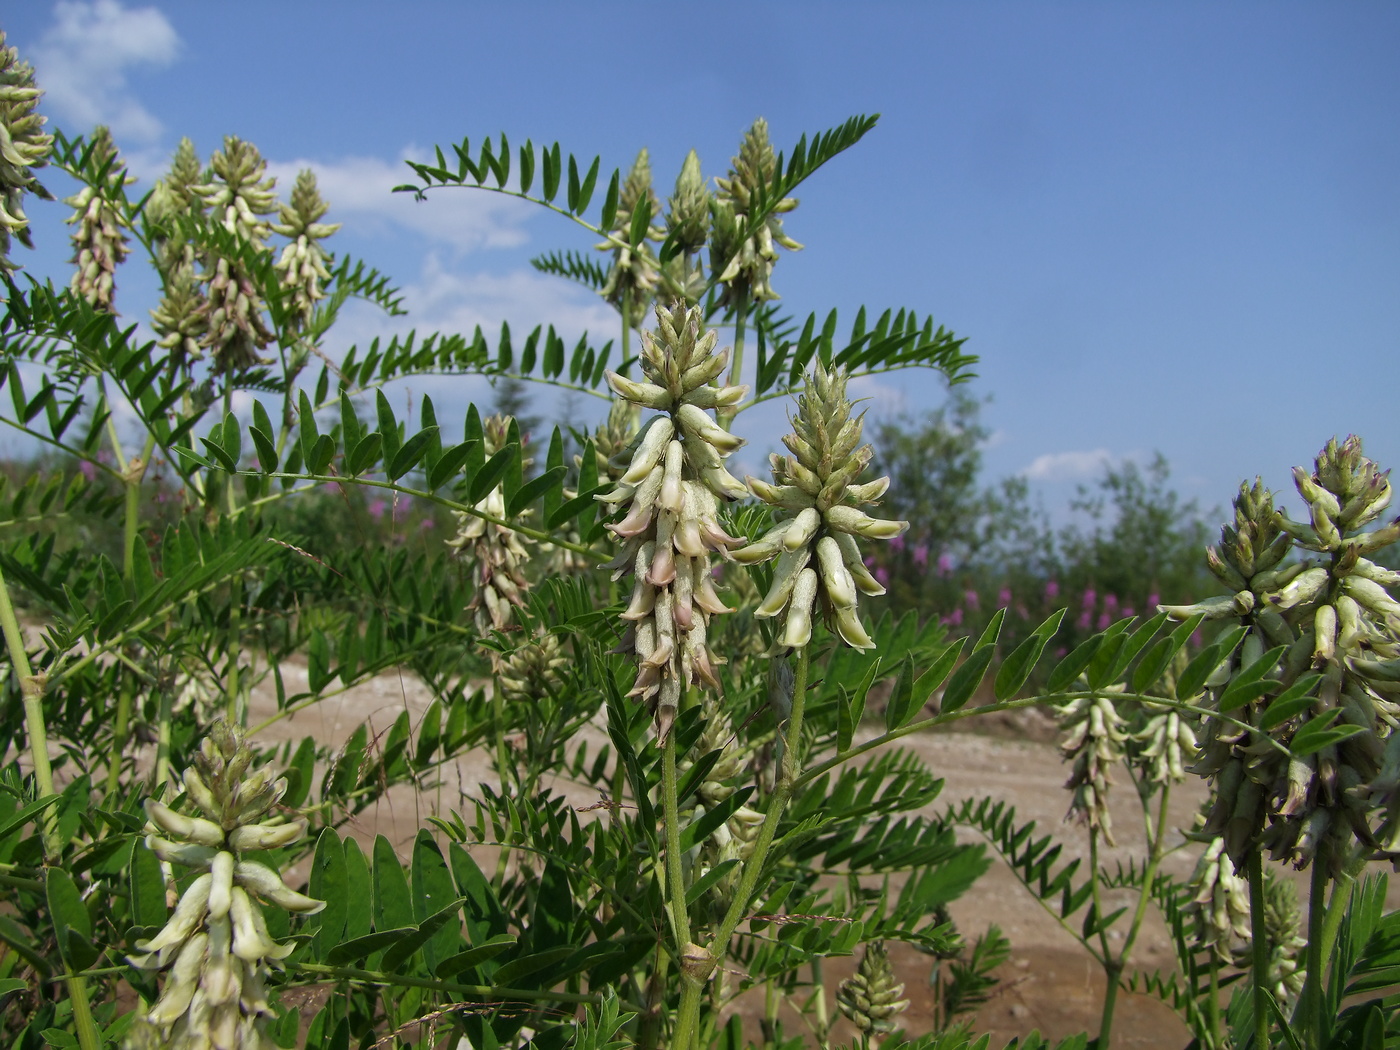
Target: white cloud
[(81, 62), (1068, 466), (360, 189)]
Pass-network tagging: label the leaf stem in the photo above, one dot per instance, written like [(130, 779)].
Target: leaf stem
[(480, 991)]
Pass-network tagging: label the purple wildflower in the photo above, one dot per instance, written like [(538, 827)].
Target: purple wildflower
[(970, 598), (920, 554), (376, 509), (882, 574), (1052, 590), (1004, 597)]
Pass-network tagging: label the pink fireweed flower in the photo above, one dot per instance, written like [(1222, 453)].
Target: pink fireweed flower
[(1085, 621), (1091, 597), (1128, 610), (1110, 603), (1153, 600), (897, 544), (1004, 597), (1104, 621), (970, 598), (883, 575), (376, 509), (945, 565), (1052, 590), (953, 619), (921, 555), (88, 470)]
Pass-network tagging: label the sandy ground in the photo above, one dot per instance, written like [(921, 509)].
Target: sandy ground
[(1049, 983)]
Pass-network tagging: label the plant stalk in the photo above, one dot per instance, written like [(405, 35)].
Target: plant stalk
[(1255, 867), (688, 1016), (32, 688), (1311, 999), (736, 362)]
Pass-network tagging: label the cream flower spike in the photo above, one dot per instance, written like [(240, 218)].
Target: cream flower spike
[(820, 518), (673, 477), (216, 948)]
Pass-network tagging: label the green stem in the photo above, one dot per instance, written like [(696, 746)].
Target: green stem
[(688, 1016), (482, 991), (498, 714), (1255, 868), (736, 362), (163, 739), (1311, 999), (88, 1037), (1112, 966), (32, 687), (675, 875), (1341, 900), (119, 734), (235, 710), (1217, 1029)]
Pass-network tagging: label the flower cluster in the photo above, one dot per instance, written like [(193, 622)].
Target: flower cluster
[(99, 243), (215, 948), (240, 198), (870, 997), (741, 259), (23, 147), (819, 562), (635, 271), (181, 318), (670, 492), (735, 838), (1094, 740), (533, 670), (1219, 903), (302, 264), (1333, 615), (497, 552)]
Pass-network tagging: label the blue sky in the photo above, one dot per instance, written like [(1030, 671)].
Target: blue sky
[(1168, 227)]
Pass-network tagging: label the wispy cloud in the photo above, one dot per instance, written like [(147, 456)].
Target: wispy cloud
[(359, 189), (82, 62), (1068, 466)]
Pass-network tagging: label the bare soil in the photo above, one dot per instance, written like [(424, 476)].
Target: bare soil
[(1049, 983)]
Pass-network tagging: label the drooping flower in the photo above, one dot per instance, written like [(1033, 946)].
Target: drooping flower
[(239, 199), (497, 552), (23, 147), (99, 243)]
